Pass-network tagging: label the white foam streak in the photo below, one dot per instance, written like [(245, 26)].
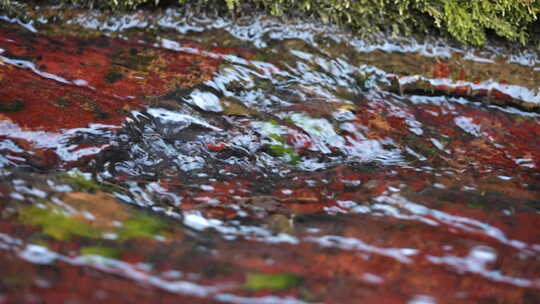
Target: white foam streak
[(458, 222), (334, 241)]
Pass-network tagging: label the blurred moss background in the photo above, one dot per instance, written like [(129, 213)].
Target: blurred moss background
[(468, 21)]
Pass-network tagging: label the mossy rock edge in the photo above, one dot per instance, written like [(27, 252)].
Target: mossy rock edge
[(469, 22)]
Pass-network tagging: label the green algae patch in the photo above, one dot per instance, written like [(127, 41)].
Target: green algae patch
[(276, 143), (142, 226), (11, 107), (79, 182), (279, 148), (113, 77), (61, 226), (107, 252), (279, 281), (286, 152), (56, 224)]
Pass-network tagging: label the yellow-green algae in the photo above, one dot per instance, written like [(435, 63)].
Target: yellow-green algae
[(277, 281), (62, 226), (466, 20), (107, 252), (141, 226), (56, 224), (79, 182)]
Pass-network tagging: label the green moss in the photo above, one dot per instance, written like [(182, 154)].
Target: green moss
[(11, 107), (113, 77), (79, 182), (132, 61), (467, 21), (286, 152), (277, 138), (56, 224), (107, 252), (258, 281), (281, 149), (476, 202), (277, 146), (415, 142), (141, 226), (63, 227)]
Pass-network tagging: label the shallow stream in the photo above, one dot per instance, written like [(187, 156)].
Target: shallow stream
[(172, 156)]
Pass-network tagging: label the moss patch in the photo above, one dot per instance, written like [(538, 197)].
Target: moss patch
[(14, 106), (61, 226), (276, 144), (107, 252), (113, 77), (258, 281), (467, 21), (80, 183), (56, 224), (141, 226)]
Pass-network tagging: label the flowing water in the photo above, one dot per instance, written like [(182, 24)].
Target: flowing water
[(175, 156)]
